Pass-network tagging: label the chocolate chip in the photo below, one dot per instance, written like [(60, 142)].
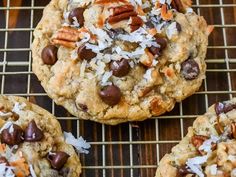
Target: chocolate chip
[(183, 171), (85, 54), (4, 160), (219, 108), (162, 42), (111, 95), (58, 159), (113, 33), (178, 27), (229, 107), (78, 14), (120, 68), (49, 55), (190, 69), (83, 107), (13, 135), (155, 50), (33, 133)]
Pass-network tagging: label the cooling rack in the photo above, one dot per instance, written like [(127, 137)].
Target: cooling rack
[(131, 149)]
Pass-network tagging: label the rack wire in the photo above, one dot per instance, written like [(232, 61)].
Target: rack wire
[(131, 149)]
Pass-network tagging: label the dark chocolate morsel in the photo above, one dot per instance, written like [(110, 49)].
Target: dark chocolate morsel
[(49, 55), (13, 135), (78, 14), (33, 133), (110, 95), (57, 159), (85, 54), (120, 68), (190, 69)]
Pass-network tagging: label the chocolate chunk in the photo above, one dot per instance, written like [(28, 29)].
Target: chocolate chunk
[(85, 54), (120, 68), (229, 107), (4, 160), (78, 14), (49, 55), (111, 95), (58, 159), (190, 69), (219, 108), (155, 50), (162, 42), (33, 133), (83, 107), (13, 135), (178, 27)]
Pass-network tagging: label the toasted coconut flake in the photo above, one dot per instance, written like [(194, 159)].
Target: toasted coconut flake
[(106, 76), (80, 144), (206, 146), (148, 75)]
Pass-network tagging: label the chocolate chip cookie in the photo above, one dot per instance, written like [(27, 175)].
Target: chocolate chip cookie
[(32, 143), (114, 61), (208, 149)]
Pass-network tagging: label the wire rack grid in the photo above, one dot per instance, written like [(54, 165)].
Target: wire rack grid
[(131, 149)]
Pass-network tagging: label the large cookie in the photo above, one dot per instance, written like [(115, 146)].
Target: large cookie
[(114, 61), (209, 148), (32, 143)]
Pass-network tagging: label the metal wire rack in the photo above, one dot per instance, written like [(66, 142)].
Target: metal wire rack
[(131, 149)]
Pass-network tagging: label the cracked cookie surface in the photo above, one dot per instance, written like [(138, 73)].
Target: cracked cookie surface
[(118, 61)]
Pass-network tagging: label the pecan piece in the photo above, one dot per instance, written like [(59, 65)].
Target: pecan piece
[(121, 17), (121, 9), (177, 4), (233, 130), (197, 140), (66, 36)]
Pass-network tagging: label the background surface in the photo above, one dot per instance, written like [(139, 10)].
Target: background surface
[(131, 149)]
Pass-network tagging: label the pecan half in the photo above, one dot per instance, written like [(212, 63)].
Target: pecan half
[(66, 36), (125, 12), (233, 130), (177, 4)]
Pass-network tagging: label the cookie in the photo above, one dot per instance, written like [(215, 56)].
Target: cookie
[(208, 149), (32, 142), (117, 61)]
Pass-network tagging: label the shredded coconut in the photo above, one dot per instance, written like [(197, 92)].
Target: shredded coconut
[(75, 22), (195, 164), (18, 107), (148, 74), (82, 68), (32, 172), (171, 30), (5, 114), (232, 158), (189, 10), (74, 54), (105, 78), (213, 169), (6, 171), (80, 144), (6, 126), (233, 173), (206, 146), (11, 129)]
